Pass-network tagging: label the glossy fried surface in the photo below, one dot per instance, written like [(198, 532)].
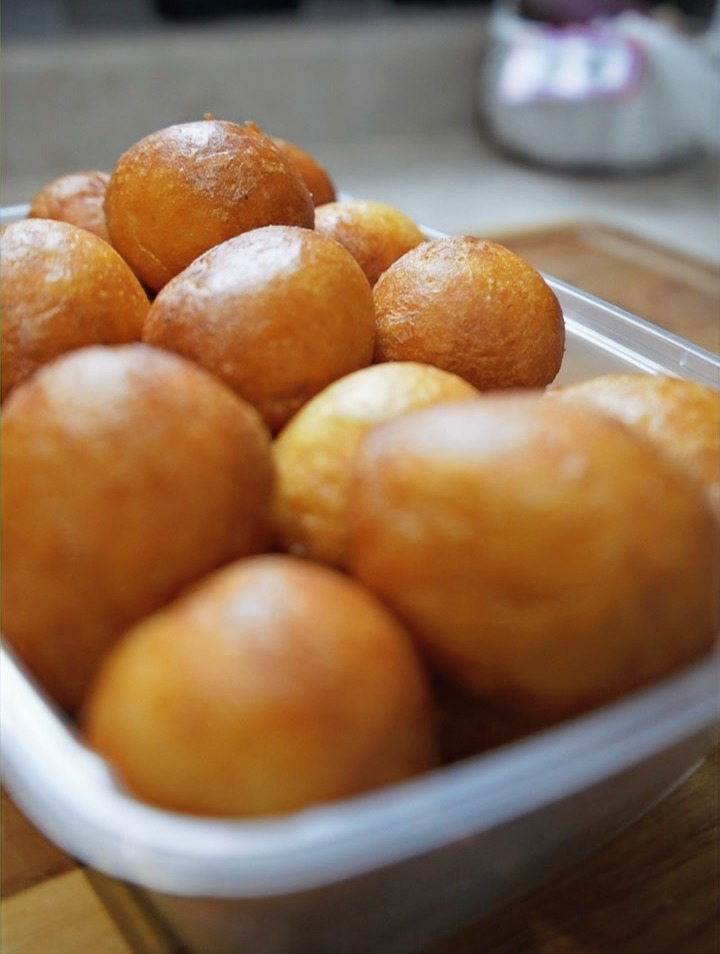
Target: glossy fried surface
[(182, 189), (545, 555), (76, 197), (272, 685), (472, 307), (127, 473), (680, 415), (314, 174), (277, 313), (314, 453), (375, 233), (62, 288)]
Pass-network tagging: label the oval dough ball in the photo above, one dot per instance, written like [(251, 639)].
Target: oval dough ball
[(544, 555), (376, 234), (314, 452), (62, 288), (272, 685), (313, 172), (185, 188), (472, 307), (277, 313), (680, 415), (127, 474), (76, 197)]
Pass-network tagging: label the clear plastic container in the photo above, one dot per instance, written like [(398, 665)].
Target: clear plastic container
[(397, 868)]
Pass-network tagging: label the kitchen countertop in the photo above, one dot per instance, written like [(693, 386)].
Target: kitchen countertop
[(456, 181), (387, 103)]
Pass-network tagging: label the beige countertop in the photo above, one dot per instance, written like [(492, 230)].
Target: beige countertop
[(456, 181), (387, 103)]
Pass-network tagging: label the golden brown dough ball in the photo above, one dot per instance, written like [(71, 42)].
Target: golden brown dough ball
[(472, 307), (127, 473), (682, 416), (314, 452), (314, 174), (277, 313), (375, 233), (62, 288), (272, 685), (76, 197), (185, 188), (544, 555)]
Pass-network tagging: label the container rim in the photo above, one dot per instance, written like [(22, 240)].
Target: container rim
[(615, 330), (70, 790)]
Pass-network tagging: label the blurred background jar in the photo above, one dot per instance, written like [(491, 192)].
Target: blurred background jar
[(602, 85)]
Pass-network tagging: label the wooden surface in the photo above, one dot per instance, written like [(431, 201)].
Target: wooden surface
[(652, 890), (659, 284)]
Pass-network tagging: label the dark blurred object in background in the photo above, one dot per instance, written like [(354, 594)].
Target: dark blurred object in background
[(209, 9), (577, 11), (583, 11), (556, 12), (442, 3)]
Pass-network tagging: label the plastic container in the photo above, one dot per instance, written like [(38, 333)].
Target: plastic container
[(395, 869)]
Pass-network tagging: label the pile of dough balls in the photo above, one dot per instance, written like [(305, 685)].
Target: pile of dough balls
[(292, 506)]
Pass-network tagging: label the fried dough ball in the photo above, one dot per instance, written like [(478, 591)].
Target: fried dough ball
[(314, 452), (472, 307), (682, 416), (271, 685), (546, 556), (127, 474), (313, 173), (76, 197), (277, 313), (375, 233), (185, 188), (62, 288)]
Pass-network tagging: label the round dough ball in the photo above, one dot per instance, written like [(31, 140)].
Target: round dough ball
[(272, 685), (76, 197), (315, 451), (185, 188), (375, 233), (277, 313), (313, 172), (682, 416), (544, 555), (62, 288), (127, 474), (472, 307)]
